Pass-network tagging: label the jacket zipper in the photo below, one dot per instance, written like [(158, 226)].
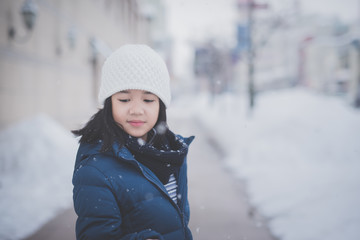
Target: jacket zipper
[(162, 189)]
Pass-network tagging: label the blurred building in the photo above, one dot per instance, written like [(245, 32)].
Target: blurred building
[(51, 52), (292, 48), (213, 68), (158, 35), (331, 61)]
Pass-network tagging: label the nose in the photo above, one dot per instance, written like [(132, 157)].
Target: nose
[(136, 108)]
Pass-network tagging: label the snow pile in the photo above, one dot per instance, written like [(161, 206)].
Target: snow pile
[(299, 153), (36, 164)]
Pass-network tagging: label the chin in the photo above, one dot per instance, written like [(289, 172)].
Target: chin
[(138, 135)]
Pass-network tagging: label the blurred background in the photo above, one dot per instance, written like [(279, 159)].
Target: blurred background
[(274, 84)]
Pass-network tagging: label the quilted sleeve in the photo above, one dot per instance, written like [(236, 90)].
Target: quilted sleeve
[(99, 216)]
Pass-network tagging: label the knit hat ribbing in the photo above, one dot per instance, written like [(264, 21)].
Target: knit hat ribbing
[(135, 67)]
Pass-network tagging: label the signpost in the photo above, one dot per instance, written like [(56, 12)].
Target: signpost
[(251, 5)]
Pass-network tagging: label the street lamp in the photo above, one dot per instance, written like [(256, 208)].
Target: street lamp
[(29, 14)]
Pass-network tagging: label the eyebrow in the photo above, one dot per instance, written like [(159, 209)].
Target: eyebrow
[(124, 91), (145, 92)]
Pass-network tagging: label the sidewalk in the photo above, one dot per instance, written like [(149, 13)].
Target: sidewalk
[(62, 227), (218, 202)]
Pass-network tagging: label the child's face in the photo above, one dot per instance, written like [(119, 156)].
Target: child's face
[(136, 111)]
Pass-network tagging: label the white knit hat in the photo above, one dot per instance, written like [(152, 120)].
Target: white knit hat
[(135, 67)]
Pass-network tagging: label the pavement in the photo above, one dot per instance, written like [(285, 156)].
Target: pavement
[(218, 202)]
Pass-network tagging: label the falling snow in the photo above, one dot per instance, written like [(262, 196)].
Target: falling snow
[(161, 128), (299, 154), (141, 142)]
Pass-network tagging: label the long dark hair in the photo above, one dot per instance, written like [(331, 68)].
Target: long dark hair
[(102, 126)]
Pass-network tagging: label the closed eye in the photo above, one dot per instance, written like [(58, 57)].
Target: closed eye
[(124, 100), (148, 100)]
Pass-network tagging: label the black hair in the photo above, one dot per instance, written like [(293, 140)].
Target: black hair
[(102, 127)]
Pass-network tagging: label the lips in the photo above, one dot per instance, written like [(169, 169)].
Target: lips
[(136, 123)]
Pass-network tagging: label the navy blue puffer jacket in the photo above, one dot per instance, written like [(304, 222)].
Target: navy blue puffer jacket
[(116, 197)]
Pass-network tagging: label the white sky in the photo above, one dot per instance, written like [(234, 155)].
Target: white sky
[(194, 17)]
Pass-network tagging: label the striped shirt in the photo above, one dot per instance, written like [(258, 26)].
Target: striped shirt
[(171, 188)]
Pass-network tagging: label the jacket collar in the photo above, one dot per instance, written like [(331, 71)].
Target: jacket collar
[(87, 149), (124, 153)]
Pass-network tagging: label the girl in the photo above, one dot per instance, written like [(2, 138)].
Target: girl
[(130, 177)]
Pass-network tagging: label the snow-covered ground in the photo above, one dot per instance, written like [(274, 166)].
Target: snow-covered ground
[(36, 162), (299, 153)]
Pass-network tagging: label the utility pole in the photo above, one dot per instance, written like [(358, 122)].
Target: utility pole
[(251, 5), (251, 84)]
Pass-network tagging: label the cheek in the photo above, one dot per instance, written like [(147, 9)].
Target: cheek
[(155, 114), (118, 115)]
